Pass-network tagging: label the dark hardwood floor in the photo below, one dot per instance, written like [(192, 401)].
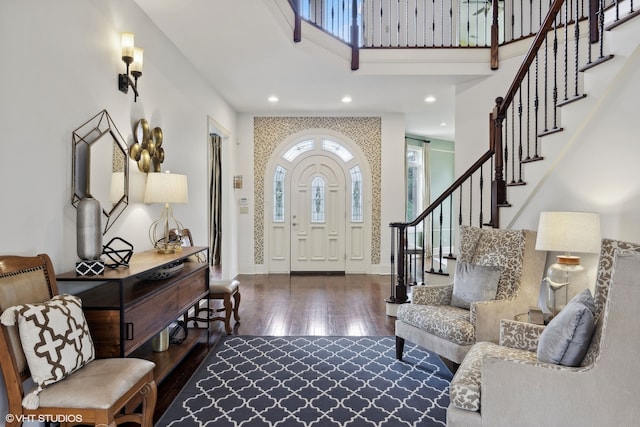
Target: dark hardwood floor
[(283, 305)]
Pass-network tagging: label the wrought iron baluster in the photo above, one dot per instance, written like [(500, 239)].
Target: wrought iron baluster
[(601, 28), (555, 75), (521, 18), (471, 200), (440, 245), (513, 141), (536, 107), (433, 22), (546, 83), (415, 17), (506, 160), (577, 50), (520, 150), (460, 207), (566, 51), (528, 115), (530, 17), (450, 225), (480, 218), (441, 22), (432, 242), (398, 23)]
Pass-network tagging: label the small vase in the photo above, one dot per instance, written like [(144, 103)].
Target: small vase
[(89, 229)]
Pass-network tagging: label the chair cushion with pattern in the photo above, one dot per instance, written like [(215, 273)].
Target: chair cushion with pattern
[(464, 391), (450, 323)]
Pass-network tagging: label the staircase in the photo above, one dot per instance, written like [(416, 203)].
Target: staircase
[(581, 55), (536, 131)]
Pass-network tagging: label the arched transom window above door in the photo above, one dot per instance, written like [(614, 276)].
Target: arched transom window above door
[(319, 146)]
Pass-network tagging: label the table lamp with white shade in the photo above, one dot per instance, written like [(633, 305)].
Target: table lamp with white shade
[(167, 188), (568, 232)]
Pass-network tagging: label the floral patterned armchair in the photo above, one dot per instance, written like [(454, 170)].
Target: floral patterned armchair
[(507, 385), (431, 321)]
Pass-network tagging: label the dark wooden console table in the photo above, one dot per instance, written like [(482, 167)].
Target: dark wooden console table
[(125, 311)]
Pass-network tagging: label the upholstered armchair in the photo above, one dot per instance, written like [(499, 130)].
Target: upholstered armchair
[(44, 339), (498, 275), (507, 384)]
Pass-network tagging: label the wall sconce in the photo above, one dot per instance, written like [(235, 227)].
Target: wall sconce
[(237, 181), (131, 56)]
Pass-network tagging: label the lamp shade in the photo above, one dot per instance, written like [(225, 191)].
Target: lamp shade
[(126, 40), (138, 58), (166, 188), (569, 232)]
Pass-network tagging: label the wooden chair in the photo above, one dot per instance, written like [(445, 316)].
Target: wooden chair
[(99, 393), (223, 290)]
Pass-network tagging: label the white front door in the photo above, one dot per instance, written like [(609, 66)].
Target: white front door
[(318, 215)]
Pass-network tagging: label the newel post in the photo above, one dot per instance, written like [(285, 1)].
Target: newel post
[(297, 21), (355, 39), (498, 185), (400, 294), (495, 40)]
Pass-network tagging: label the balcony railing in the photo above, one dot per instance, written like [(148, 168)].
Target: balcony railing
[(379, 24)]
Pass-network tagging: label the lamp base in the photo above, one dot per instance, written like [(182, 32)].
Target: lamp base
[(165, 251), (160, 232)]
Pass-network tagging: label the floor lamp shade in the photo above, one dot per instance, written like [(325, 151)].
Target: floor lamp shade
[(568, 232), (165, 188)]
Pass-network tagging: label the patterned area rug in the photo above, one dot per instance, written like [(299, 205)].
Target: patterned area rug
[(313, 381)]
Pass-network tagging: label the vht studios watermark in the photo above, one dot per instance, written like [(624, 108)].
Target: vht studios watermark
[(43, 418)]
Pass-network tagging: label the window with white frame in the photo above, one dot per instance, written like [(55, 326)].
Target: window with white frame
[(356, 194), (317, 200), (278, 194)]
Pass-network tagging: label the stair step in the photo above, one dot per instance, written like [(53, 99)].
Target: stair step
[(621, 21), (439, 273), (596, 62), (516, 183), (550, 131), (535, 158), (570, 100)]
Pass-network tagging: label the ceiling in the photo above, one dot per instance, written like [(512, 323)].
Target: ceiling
[(243, 50)]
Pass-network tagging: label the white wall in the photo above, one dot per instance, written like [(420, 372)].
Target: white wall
[(61, 61)]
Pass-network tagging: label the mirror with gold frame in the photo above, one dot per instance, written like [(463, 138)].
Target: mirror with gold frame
[(100, 167)]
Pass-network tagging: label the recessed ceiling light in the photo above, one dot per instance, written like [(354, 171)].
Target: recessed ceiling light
[(273, 98), (430, 99), (346, 99), (443, 124)]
